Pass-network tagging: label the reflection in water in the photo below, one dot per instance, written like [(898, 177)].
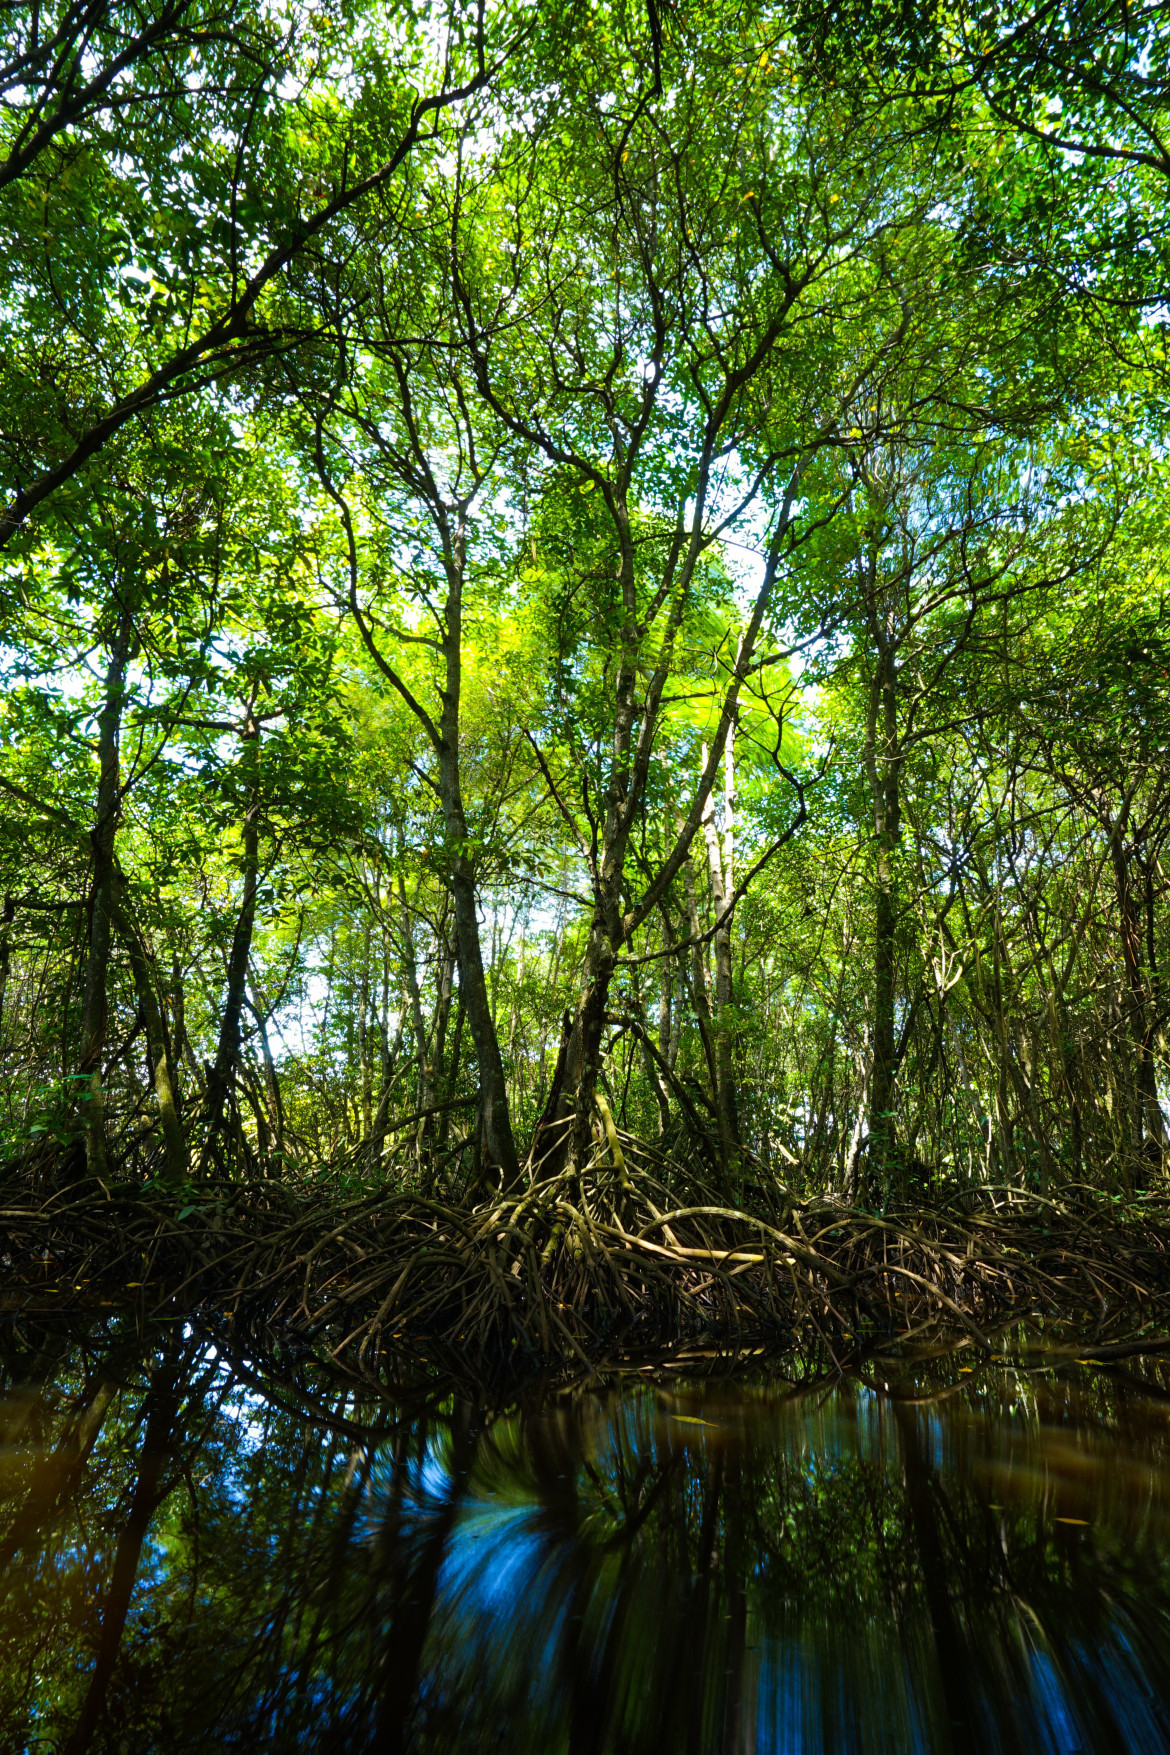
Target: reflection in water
[(933, 1558)]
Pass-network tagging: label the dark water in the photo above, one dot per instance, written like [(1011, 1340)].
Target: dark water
[(921, 1556)]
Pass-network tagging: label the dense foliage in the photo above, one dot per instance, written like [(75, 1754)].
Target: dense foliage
[(582, 570)]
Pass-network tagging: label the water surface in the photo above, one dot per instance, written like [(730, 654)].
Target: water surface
[(931, 1553)]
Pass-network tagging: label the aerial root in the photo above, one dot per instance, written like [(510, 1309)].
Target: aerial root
[(579, 1265)]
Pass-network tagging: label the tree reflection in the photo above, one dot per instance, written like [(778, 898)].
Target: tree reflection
[(953, 1560)]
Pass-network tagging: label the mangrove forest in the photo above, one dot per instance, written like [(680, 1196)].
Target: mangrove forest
[(585, 740)]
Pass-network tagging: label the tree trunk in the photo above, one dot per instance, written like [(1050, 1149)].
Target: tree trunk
[(365, 1071), (414, 993), (882, 1131), (666, 993), (1146, 1112), (665, 1011), (184, 1052), (158, 1044), (720, 861), (261, 1014), (390, 1053), (883, 763), (443, 1010), (700, 995), (96, 1002), (499, 1145), (1155, 1120), (451, 1076), (227, 1054), (6, 919)]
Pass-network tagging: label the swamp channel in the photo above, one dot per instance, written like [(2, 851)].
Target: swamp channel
[(933, 1550)]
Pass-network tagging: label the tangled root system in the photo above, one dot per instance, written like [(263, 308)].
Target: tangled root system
[(633, 1253)]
